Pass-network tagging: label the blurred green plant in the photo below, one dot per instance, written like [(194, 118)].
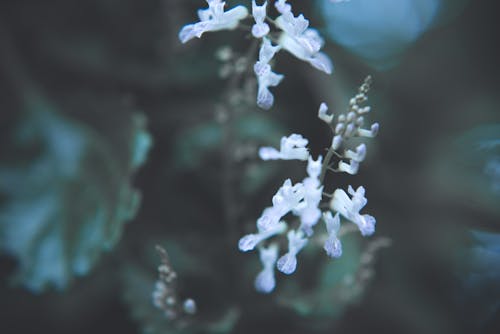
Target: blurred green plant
[(65, 192)]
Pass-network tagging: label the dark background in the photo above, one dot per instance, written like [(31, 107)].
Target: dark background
[(94, 58)]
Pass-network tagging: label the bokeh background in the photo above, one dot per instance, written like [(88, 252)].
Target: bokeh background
[(113, 138)]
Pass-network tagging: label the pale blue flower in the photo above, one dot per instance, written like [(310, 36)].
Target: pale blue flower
[(323, 115), (358, 155), (212, 19), (249, 241), (303, 42), (265, 76), (350, 168), (265, 280), (308, 210), (292, 147), (288, 262), (260, 28), (332, 246), (286, 199), (350, 207)]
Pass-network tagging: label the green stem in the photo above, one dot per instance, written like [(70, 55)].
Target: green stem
[(326, 162)]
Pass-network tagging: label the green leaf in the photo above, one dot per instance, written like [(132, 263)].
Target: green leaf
[(65, 193)]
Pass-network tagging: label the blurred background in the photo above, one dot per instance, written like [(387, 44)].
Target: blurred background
[(115, 137)]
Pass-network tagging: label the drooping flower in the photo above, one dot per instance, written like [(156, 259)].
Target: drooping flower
[(265, 76), (286, 199), (303, 42), (260, 28), (332, 246), (288, 262), (292, 147), (212, 19), (265, 280), (350, 207)]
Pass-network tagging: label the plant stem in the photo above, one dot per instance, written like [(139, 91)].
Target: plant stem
[(326, 162)]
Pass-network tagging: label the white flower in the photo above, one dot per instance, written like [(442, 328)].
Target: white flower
[(323, 115), (249, 241), (292, 147), (282, 6), (350, 168), (265, 76), (286, 199), (288, 262), (358, 155), (369, 133), (333, 246), (265, 281), (308, 211), (260, 28), (212, 19), (349, 208), (303, 42)]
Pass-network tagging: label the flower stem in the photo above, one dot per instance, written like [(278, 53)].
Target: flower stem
[(326, 163)]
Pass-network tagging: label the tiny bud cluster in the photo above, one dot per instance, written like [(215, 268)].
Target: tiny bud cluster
[(165, 296)]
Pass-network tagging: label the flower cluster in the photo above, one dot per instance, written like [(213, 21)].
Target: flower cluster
[(294, 35), (303, 199)]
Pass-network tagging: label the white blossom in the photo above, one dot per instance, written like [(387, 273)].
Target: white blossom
[(260, 28), (308, 211), (323, 115), (332, 246), (286, 199), (265, 280), (265, 76), (350, 168), (349, 208), (288, 262), (292, 147), (282, 6), (358, 155), (303, 42), (369, 133), (249, 241), (212, 19)]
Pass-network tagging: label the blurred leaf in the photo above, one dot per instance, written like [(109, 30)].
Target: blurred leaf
[(66, 193), (469, 168), (481, 292)]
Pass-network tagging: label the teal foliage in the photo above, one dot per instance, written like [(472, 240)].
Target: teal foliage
[(477, 157), (483, 273), (65, 193)]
